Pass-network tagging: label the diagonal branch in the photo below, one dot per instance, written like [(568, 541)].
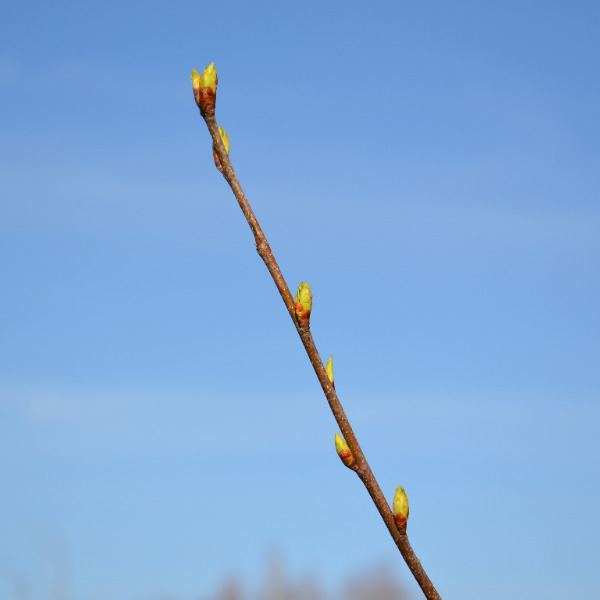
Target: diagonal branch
[(362, 468)]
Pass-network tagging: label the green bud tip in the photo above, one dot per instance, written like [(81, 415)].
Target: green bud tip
[(400, 508), (329, 369), (225, 138), (195, 79), (344, 451), (209, 78), (303, 304)]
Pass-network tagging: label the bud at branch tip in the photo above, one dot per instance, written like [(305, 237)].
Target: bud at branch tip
[(205, 89)]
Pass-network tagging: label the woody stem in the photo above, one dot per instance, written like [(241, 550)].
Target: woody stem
[(362, 468)]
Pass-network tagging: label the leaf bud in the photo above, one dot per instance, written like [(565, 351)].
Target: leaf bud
[(205, 89), (225, 139), (303, 304), (400, 508), (329, 369), (344, 451)]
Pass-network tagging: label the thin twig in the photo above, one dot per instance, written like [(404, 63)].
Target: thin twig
[(362, 468)]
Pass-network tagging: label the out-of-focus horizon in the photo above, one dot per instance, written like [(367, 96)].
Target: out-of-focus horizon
[(379, 582), (432, 170), (374, 583)]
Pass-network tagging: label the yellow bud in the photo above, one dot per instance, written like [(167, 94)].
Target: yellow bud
[(344, 451), (329, 369), (195, 80), (209, 78), (225, 138), (303, 304), (400, 508), (205, 89)]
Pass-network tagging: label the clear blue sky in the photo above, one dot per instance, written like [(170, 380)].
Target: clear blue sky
[(431, 168)]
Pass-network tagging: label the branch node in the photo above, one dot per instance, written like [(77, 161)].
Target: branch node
[(262, 247)]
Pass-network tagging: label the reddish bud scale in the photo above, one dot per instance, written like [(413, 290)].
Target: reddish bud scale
[(401, 522), (206, 99), (347, 458), (302, 315)]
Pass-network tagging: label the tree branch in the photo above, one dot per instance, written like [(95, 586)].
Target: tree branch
[(362, 468)]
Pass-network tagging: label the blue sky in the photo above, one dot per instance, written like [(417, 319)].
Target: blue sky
[(430, 168)]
